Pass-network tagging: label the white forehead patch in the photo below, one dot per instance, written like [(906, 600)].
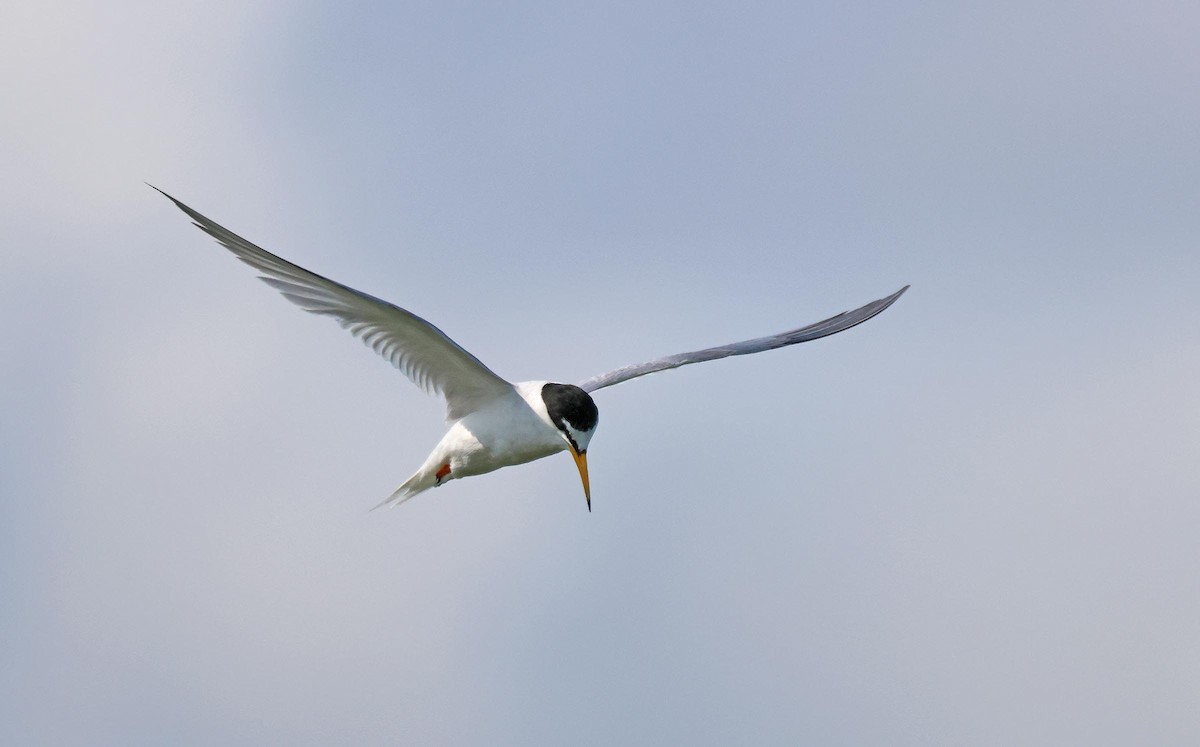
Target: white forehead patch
[(581, 438)]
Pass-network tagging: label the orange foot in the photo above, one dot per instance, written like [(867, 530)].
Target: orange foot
[(442, 472)]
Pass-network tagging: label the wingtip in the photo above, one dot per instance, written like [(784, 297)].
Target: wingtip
[(164, 194), (889, 300)]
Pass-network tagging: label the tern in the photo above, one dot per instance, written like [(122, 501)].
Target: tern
[(493, 423)]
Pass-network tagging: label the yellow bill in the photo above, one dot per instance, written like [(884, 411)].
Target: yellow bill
[(581, 463)]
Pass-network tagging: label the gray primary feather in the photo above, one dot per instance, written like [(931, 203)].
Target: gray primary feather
[(421, 351), (830, 326)]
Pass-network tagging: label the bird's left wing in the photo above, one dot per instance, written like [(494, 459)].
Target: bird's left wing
[(421, 351), (832, 325)]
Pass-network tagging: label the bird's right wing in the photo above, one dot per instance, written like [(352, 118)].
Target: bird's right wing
[(420, 350), (830, 326)]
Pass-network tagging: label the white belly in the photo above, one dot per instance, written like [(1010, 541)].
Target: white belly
[(510, 433)]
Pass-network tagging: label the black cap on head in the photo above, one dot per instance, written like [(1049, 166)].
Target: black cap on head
[(569, 403)]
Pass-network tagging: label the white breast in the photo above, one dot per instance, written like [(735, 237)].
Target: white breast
[(512, 431)]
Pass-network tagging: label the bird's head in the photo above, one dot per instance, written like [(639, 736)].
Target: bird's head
[(574, 414)]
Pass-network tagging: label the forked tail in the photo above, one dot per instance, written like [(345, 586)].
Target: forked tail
[(418, 483)]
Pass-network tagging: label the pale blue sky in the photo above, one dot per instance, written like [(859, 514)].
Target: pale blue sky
[(972, 520)]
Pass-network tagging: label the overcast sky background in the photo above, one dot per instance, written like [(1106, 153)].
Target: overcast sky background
[(972, 520)]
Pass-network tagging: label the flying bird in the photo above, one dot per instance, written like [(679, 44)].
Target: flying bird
[(493, 423)]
